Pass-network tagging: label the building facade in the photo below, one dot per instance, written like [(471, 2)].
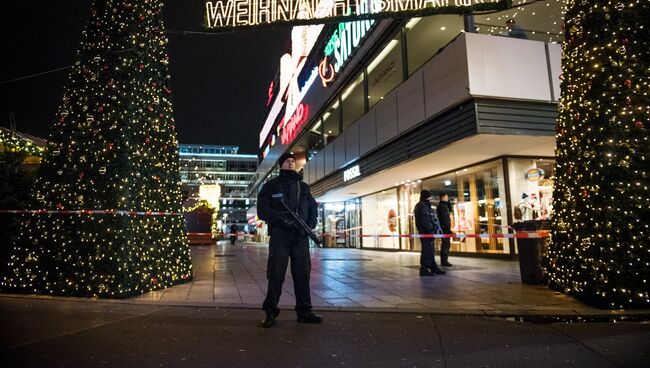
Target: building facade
[(222, 165), (376, 111)]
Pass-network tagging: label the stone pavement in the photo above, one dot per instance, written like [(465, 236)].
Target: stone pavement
[(41, 332), (364, 280)]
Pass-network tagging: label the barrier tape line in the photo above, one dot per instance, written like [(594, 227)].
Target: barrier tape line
[(518, 235), (93, 212), (524, 234)]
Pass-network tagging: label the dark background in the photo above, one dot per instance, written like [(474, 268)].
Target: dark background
[(219, 81)]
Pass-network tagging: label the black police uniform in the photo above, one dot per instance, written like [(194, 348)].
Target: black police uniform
[(287, 239), (426, 223), (444, 210)]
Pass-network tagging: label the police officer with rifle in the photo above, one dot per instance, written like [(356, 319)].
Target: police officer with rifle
[(290, 211)]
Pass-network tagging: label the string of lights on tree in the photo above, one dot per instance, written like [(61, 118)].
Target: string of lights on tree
[(113, 146), (10, 143), (600, 250)]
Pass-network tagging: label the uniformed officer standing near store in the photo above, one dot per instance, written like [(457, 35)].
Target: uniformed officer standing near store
[(288, 240), (444, 217), (427, 224)]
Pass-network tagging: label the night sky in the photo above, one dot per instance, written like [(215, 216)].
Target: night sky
[(219, 81)]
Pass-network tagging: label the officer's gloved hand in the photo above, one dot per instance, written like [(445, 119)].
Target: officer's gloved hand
[(285, 221)]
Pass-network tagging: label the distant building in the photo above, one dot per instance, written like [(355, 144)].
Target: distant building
[(223, 165)]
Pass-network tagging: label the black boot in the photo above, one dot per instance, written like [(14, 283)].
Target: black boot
[(310, 318), (439, 271), (447, 264), (426, 272), (270, 320)]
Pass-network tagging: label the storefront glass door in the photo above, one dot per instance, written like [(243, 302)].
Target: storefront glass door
[(477, 205), (409, 196), (353, 223)]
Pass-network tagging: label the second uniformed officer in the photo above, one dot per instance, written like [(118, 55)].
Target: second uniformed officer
[(288, 240)]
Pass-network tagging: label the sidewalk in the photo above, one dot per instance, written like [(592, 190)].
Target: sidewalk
[(37, 332), (355, 280), (363, 280)]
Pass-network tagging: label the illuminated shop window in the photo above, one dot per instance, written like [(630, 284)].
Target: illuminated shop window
[(331, 122), (353, 102), (426, 36), (477, 195), (540, 21), (379, 217), (531, 188), (315, 140), (385, 72)]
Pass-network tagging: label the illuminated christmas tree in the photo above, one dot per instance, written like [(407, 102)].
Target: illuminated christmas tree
[(112, 148), (600, 250)]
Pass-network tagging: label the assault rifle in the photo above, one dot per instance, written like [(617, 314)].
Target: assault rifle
[(299, 222)]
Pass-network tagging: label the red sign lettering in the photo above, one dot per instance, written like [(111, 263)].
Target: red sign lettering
[(294, 124)]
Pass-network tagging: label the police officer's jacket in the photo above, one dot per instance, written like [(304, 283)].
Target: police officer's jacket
[(425, 220), (290, 188), (444, 210)]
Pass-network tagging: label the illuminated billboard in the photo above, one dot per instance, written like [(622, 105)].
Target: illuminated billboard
[(226, 14)]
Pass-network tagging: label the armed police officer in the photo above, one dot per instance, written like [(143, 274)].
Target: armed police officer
[(427, 223), (444, 216), (288, 239)]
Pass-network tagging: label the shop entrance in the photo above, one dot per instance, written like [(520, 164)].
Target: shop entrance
[(342, 224), (476, 197)]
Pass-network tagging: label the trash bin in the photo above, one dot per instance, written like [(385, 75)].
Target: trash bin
[(531, 252)]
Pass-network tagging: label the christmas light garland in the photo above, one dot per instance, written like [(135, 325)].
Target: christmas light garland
[(10, 143), (600, 250)]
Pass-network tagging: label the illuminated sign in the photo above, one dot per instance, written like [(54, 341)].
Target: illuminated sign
[(303, 39), (294, 124), (351, 173), (248, 13), (343, 41), (270, 119), (535, 174), (295, 96), (270, 94)]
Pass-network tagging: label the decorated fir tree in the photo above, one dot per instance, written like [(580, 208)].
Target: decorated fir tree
[(600, 250), (112, 148)]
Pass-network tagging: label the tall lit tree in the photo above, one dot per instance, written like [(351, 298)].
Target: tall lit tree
[(600, 250), (112, 147)]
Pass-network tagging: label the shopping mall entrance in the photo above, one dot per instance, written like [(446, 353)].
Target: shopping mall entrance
[(487, 198)]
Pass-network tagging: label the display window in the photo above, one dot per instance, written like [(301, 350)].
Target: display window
[(353, 223), (341, 223), (541, 21), (409, 196), (353, 101), (531, 188), (426, 36), (331, 122), (379, 216), (334, 224), (478, 205), (385, 72)]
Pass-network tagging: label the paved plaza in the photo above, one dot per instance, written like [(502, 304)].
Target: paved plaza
[(353, 279), (377, 310), (39, 332)]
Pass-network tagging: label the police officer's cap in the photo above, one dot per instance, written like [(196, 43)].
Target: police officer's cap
[(284, 157)]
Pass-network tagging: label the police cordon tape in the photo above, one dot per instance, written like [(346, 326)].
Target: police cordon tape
[(519, 234), (522, 234), (93, 212)]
